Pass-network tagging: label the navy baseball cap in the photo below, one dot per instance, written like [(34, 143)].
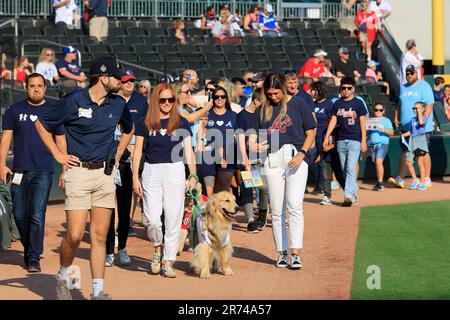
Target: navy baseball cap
[(106, 66), (69, 49), (410, 68), (345, 50)]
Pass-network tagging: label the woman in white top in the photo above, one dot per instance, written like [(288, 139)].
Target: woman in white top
[(46, 66), (410, 56)]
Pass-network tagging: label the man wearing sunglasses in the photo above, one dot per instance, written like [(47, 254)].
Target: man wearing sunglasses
[(344, 66), (415, 90), (350, 114), (90, 117)]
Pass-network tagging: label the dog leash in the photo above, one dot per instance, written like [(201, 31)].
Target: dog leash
[(193, 194)]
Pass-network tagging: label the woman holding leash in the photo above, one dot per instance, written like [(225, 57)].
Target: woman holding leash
[(286, 132), (163, 186)]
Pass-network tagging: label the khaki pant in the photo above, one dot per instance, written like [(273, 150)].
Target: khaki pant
[(98, 28)]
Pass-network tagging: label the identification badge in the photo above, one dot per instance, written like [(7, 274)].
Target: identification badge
[(85, 113), (208, 148), (118, 179), (17, 178)]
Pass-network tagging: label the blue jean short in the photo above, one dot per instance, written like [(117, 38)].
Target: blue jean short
[(378, 151)]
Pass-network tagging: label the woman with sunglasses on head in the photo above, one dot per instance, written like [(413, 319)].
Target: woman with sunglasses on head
[(286, 132), (46, 66), (144, 88), (163, 186)]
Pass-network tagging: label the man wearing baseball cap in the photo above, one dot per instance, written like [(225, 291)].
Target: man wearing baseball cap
[(268, 23), (69, 70), (90, 117), (345, 66), (313, 67)]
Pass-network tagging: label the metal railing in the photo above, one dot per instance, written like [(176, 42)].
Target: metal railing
[(44, 41), (182, 9), (12, 22)]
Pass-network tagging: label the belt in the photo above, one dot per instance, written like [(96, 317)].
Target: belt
[(92, 165)]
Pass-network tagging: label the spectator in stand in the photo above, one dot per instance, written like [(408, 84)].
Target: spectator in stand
[(438, 89), (313, 67), (378, 142), (6, 74), (69, 69), (367, 23), (208, 20), (98, 21), (22, 69), (251, 21), (348, 4), (145, 88), (376, 76), (415, 90), (382, 8), (328, 66), (447, 101), (180, 32), (350, 114), (410, 57), (344, 66), (222, 28), (234, 20), (46, 66), (190, 77), (66, 12), (268, 23), (239, 85)]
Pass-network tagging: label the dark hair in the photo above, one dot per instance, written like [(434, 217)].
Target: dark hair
[(321, 90), (379, 103), (348, 80), (446, 86), (93, 80), (421, 104), (238, 80), (227, 101), (438, 81), (34, 75)]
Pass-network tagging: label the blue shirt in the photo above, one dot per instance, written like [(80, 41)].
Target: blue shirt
[(323, 111), (357, 97), (30, 153), (378, 137), (137, 106), (89, 127), (268, 21), (73, 67), (247, 122), (348, 114), (439, 96), (291, 129), (421, 91), (194, 126), (98, 8), (308, 99), (160, 145), (220, 133), (415, 127)]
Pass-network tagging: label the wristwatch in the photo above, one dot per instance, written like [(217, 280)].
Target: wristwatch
[(303, 152)]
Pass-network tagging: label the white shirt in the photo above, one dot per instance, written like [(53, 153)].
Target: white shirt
[(407, 59), (48, 70), (65, 13), (382, 9)]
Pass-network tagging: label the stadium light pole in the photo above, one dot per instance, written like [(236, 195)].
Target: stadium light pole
[(438, 37)]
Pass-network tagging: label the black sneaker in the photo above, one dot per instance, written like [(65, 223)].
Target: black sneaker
[(296, 262), (252, 227), (262, 219), (282, 261), (34, 266), (347, 202), (379, 187)]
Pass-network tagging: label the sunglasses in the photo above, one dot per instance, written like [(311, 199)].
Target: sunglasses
[(131, 81), (165, 100), (409, 73), (49, 54), (209, 89), (378, 110), (142, 86), (417, 109), (346, 88), (220, 96)]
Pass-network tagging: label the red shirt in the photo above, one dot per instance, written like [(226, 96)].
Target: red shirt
[(371, 20), (20, 74), (314, 69)]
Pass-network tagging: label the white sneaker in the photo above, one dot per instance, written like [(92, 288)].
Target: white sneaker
[(326, 201), (109, 261), (167, 271), (156, 263), (124, 259)]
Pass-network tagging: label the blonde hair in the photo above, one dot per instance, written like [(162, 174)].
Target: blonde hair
[(176, 88), (43, 53), (273, 81), (231, 89), (177, 23)]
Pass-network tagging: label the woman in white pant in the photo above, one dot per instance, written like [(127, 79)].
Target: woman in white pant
[(286, 131), (163, 178)]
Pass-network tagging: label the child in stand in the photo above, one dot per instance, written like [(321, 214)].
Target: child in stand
[(376, 76), (378, 142), (417, 146)]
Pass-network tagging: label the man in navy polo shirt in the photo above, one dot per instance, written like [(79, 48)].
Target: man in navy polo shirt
[(32, 167), (69, 69), (90, 117), (350, 114)]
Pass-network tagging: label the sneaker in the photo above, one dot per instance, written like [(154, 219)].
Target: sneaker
[(414, 184), (379, 187), (156, 263), (334, 185), (62, 290), (428, 183), (131, 232), (34, 267), (296, 262), (124, 259), (282, 261), (262, 219), (109, 260), (355, 200), (347, 202), (398, 182), (101, 296), (252, 227), (326, 201), (422, 186), (167, 271)]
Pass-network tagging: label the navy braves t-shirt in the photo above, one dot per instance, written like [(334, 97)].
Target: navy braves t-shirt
[(72, 67), (348, 113), (160, 145), (137, 105), (30, 153), (323, 111), (290, 129), (247, 123), (308, 100), (89, 127)]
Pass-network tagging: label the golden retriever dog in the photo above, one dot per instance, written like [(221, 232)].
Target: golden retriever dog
[(214, 232)]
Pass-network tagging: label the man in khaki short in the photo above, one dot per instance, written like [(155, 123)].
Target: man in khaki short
[(90, 117), (98, 21)]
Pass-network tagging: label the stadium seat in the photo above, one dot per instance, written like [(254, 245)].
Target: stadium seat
[(99, 49), (332, 24), (129, 57), (307, 33), (150, 56), (315, 24), (325, 33), (116, 32), (136, 31), (31, 31)]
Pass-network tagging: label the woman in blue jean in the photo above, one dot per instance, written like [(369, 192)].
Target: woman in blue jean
[(286, 131)]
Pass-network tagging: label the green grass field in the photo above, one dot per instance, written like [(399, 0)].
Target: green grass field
[(411, 246)]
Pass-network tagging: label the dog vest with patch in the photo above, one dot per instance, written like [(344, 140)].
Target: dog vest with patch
[(203, 234)]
